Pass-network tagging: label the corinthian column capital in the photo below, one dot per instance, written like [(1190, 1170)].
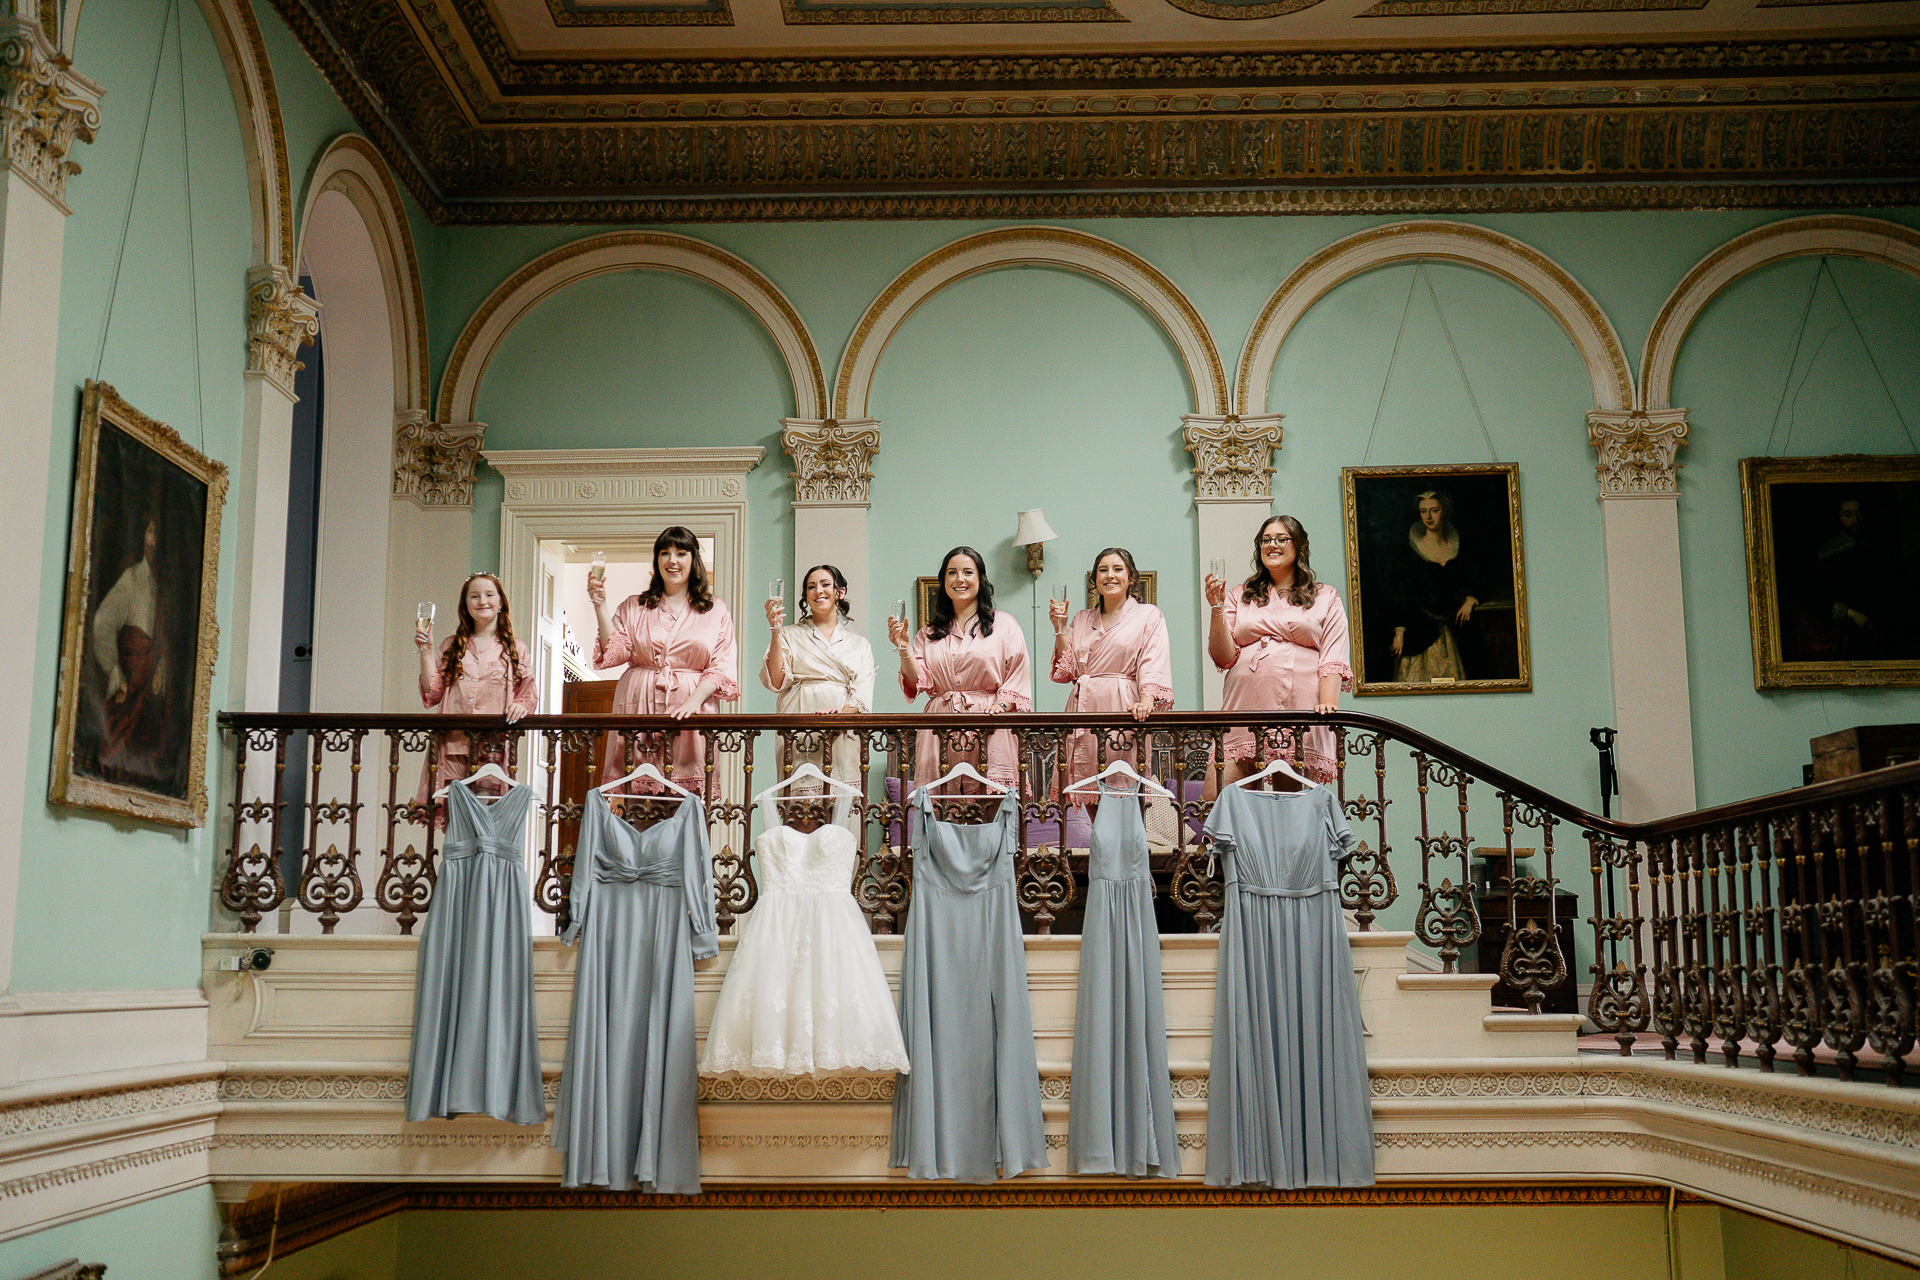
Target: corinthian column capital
[(1234, 453), (1638, 451), (280, 320), (47, 107), (433, 462), (833, 460)]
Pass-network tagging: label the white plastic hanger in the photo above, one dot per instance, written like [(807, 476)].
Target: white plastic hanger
[(961, 770), (487, 770), (1280, 766), (804, 772), (648, 771), (1125, 770)]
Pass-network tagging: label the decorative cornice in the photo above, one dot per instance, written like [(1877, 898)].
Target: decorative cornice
[(1349, 201), (1461, 8), (281, 319), (1674, 126), (45, 108), (433, 462), (713, 13), (1234, 453), (1245, 12), (1164, 70), (1639, 451), (834, 459), (803, 12)]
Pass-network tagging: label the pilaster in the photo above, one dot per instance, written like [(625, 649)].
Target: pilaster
[(430, 531), (280, 320), (1639, 473), (1233, 493), (45, 109), (833, 469)]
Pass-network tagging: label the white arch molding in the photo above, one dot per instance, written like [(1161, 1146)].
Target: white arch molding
[(629, 251), (351, 166), (1462, 244), (1058, 247), (1869, 239)]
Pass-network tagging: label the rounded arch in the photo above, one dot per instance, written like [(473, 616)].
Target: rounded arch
[(1520, 265), (1872, 239), (236, 33), (351, 166), (1059, 247), (629, 251)]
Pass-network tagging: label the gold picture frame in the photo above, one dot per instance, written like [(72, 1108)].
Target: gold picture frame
[(139, 637), (1396, 585), (1842, 617)]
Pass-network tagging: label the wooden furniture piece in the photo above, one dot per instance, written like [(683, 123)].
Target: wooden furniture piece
[(1862, 748)]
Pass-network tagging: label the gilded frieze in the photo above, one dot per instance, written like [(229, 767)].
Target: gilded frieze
[(946, 12), (715, 13), (1796, 124)]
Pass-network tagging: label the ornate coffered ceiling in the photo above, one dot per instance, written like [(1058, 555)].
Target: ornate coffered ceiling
[(689, 110)]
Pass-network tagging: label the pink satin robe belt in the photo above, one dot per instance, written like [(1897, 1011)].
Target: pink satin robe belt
[(1110, 670), (966, 675), (480, 690), (668, 652), (1283, 652)]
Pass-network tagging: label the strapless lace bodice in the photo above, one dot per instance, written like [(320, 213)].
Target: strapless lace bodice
[(820, 861)]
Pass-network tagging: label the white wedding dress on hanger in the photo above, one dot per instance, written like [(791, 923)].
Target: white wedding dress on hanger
[(805, 994)]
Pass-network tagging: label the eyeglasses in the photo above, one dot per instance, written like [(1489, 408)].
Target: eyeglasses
[(1275, 540)]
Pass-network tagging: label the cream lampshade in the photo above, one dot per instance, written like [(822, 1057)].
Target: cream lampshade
[(1034, 534)]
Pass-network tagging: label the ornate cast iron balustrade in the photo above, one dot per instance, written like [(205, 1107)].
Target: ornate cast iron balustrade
[(1788, 919)]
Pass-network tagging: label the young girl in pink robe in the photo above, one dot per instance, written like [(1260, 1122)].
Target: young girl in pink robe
[(1116, 656), (676, 639), (967, 670), (484, 682), (1284, 657)]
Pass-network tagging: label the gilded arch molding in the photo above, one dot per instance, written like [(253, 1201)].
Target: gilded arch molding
[(629, 251), (236, 33), (1871, 239), (1120, 268), (1463, 244), (351, 166)]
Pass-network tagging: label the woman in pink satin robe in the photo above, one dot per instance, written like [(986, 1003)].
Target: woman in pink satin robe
[(970, 658), (479, 670), (677, 642), (1116, 657), (1281, 639)]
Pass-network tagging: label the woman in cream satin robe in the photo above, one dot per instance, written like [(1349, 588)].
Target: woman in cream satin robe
[(822, 666)]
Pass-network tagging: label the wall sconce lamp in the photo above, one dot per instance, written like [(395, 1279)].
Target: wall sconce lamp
[(1034, 535)]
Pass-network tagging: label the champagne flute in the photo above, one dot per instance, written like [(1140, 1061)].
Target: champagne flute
[(597, 572), (777, 590), (423, 615), (1218, 568), (900, 612)]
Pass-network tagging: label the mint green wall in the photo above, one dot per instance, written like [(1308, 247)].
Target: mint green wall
[(1733, 377), (645, 359), (1069, 399), (1018, 388), (168, 1238), (154, 880)]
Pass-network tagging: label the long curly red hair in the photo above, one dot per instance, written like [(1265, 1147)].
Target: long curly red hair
[(450, 664)]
